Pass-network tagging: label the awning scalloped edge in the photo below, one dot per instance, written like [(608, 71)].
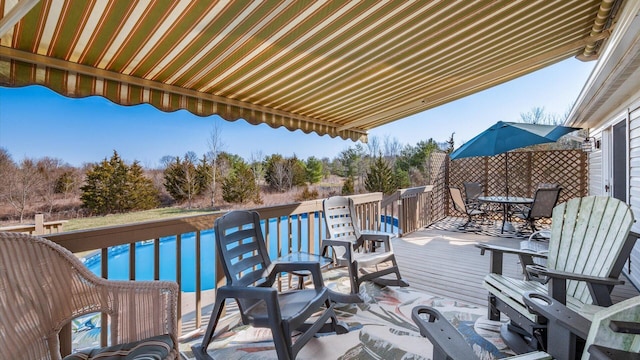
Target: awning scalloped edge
[(17, 73)]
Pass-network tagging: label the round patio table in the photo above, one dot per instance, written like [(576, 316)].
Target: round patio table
[(506, 202)]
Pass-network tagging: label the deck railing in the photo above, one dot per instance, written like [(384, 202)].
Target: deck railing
[(411, 208), (284, 230), (39, 227)]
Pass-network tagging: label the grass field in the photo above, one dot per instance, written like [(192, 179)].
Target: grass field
[(119, 219)]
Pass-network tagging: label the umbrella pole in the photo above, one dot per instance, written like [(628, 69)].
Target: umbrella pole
[(506, 173)]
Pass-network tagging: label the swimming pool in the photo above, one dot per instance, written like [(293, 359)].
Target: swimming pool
[(119, 255)]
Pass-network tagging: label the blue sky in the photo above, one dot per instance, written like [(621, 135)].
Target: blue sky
[(36, 122)]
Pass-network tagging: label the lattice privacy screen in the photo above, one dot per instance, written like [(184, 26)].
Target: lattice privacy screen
[(526, 171)]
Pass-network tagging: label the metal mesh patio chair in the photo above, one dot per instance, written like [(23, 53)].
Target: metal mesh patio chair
[(544, 200), (472, 190), (460, 206), (250, 278), (43, 287)]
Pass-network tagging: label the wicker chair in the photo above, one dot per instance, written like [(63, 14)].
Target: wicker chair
[(43, 287)]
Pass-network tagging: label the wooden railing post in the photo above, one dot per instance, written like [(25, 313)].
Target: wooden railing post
[(39, 224)]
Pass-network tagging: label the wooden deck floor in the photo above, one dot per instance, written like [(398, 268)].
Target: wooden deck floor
[(437, 262), (447, 264)]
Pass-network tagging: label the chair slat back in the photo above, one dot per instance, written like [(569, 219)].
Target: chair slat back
[(587, 237), (544, 200), (241, 247), (601, 334), (341, 221), (458, 202)]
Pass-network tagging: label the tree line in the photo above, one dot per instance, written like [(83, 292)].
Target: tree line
[(217, 178)]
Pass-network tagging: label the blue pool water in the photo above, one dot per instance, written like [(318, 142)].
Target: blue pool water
[(119, 255)]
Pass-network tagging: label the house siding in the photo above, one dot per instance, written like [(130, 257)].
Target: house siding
[(610, 95), (633, 266), (596, 185), (597, 176)]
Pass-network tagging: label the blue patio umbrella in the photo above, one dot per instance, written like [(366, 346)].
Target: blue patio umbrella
[(505, 136)]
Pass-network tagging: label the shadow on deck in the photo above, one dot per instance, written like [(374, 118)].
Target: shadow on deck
[(443, 261), (444, 269)]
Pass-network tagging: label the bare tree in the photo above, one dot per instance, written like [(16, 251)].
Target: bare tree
[(392, 147), (50, 170), (166, 160), (373, 147), (8, 169), (22, 185), (280, 176), (536, 116), (216, 145), (257, 166)]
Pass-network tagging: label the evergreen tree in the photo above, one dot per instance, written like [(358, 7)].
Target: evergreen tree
[(114, 187), (239, 186), (450, 144), (401, 178), (64, 183), (348, 187), (143, 194), (183, 180), (284, 173), (174, 180), (380, 177), (413, 161), (204, 177), (298, 171), (315, 170)]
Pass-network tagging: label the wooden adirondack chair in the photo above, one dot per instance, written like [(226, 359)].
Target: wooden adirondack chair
[(589, 244), (613, 332)]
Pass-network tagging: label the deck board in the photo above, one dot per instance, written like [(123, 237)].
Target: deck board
[(447, 264)]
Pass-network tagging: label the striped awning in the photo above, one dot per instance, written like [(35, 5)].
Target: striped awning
[(331, 67)]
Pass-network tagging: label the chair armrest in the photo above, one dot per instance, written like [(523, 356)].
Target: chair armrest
[(384, 238), (541, 270), (311, 266), (520, 208), (497, 253), (447, 341), (556, 312), (267, 294), (347, 245), (599, 352), (598, 286), (508, 250), (625, 327), (246, 292), (141, 309)]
